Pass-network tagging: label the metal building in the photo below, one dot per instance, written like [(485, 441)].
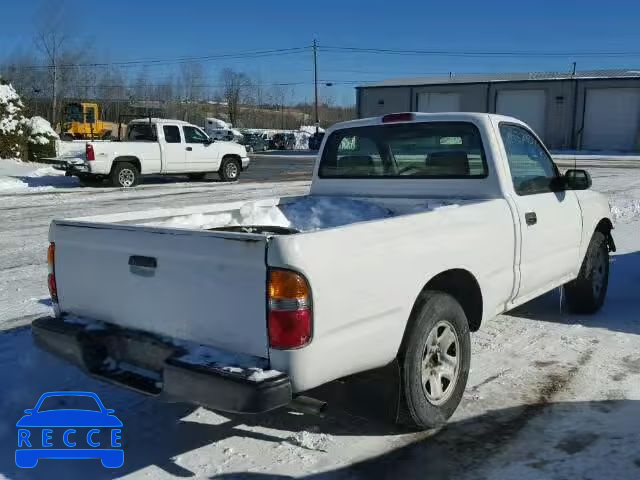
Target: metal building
[(590, 110)]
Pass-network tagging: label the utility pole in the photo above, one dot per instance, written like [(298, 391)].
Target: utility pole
[(55, 93), (315, 81)]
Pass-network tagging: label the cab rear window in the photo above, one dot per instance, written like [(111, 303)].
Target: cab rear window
[(408, 150)]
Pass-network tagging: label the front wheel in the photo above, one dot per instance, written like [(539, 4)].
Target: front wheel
[(587, 292), (125, 175), (435, 360), (229, 170)]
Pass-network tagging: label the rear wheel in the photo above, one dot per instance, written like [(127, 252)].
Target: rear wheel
[(587, 292), (435, 360), (229, 170), (125, 174)]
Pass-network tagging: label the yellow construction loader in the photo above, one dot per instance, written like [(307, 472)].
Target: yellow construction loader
[(81, 121)]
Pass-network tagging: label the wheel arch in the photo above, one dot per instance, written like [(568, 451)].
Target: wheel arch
[(135, 161), (231, 156), (462, 285)]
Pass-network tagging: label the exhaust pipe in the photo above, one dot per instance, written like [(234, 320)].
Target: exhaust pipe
[(308, 405)]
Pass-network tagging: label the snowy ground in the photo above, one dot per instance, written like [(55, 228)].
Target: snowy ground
[(550, 395)]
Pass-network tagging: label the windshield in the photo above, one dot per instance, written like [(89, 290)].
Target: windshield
[(73, 113), (69, 402), (409, 150)]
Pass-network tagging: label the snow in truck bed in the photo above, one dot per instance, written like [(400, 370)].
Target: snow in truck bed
[(306, 214)]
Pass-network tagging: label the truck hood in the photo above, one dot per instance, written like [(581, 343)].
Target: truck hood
[(232, 147)]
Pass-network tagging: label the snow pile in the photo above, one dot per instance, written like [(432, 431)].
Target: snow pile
[(42, 179), (314, 213), (310, 440), (625, 211), (212, 122), (40, 131), (303, 214), (12, 141), (10, 184), (10, 110), (229, 362), (249, 214), (310, 129), (302, 136)]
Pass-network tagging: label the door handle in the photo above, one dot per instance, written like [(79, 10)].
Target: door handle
[(189, 149), (531, 218), (141, 261)]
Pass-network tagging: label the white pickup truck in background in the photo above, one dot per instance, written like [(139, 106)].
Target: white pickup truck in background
[(159, 147), (418, 228)]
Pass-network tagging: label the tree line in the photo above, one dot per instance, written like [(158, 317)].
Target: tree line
[(55, 72)]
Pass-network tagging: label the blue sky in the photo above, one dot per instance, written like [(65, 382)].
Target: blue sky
[(121, 30)]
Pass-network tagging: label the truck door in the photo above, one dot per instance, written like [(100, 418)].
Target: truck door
[(550, 221), (202, 155), (174, 158)]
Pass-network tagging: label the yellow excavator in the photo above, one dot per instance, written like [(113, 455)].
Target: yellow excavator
[(82, 122)]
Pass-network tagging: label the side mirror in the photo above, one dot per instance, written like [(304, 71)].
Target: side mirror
[(577, 179), (29, 411)]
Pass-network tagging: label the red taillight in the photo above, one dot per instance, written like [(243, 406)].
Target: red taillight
[(90, 153), (51, 278), (53, 289), (290, 318), (398, 117), (289, 329)]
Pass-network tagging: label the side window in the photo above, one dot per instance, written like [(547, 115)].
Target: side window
[(91, 115), (531, 167), (171, 134), (141, 132), (194, 135)]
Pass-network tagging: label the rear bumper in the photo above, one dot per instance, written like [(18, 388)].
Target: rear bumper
[(72, 167), (157, 367)]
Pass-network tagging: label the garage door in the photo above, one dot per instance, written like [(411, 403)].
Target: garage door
[(611, 117), (526, 105), (438, 102)]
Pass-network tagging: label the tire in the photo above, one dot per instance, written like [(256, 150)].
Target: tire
[(125, 175), (229, 170), (435, 359), (90, 181), (197, 176), (586, 294)]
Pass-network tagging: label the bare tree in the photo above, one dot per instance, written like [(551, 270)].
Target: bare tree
[(234, 87), (191, 76), (50, 43)]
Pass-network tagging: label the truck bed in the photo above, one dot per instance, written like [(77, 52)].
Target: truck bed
[(292, 214), (133, 269)]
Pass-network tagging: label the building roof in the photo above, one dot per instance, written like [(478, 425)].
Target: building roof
[(504, 77)]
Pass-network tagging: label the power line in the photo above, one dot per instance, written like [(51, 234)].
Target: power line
[(470, 53), (178, 60)]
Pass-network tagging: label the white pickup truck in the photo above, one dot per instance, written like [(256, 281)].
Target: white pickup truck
[(158, 147), (418, 228)]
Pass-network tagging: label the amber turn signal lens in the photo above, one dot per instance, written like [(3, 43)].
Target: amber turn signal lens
[(285, 284), (51, 254)]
